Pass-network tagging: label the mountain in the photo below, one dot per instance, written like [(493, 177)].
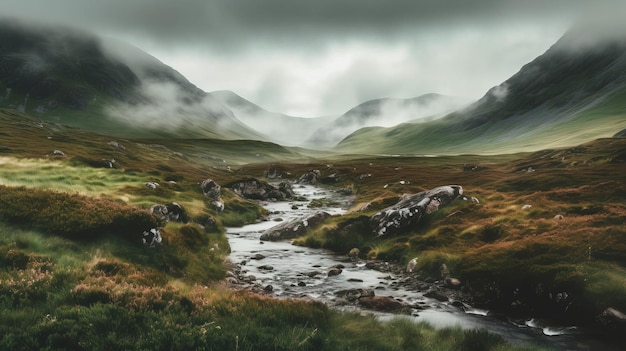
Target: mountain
[(278, 127), (63, 75), (573, 93), (385, 112)]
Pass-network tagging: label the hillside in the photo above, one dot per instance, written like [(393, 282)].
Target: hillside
[(386, 112), (573, 93), (74, 78), (278, 127)]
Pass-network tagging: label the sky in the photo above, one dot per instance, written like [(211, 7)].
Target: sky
[(311, 58)]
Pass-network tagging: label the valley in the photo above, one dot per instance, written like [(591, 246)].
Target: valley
[(139, 212)]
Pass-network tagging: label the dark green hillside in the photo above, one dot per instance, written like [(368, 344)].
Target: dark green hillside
[(571, 94), (74, 78)]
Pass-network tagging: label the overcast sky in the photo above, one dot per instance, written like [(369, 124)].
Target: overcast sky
[(323, 57)]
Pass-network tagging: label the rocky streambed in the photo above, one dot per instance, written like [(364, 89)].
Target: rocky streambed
[(347, 282)]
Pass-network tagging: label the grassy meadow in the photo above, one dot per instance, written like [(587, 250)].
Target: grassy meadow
[(75, 276)]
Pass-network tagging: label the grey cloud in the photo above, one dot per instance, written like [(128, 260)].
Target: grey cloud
[(235, 24), (255, 47)]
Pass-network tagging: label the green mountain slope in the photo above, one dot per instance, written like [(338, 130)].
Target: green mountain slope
[(385, 112), (74, 78), (573, 93)]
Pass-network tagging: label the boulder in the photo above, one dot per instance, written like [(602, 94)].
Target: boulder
[(334, 271), (311, 177), (286, 189), (613, 319), (151, 185), (382, 304), (295, 228), (355, 294), (255, 189), (176, 212), (151, 238), (171, 212), (354, 253), (411, 265), (211, 189), (437, 295), (412, 208), (273, 172), (160, 212), (452, 282)]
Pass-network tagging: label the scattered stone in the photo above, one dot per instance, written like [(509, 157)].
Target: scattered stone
[(301, 283), (382, 304), (354, 253), (211, 189), (411, 208), (527, 207), (232, 281), (334, 271), (436, 294), (151, 238), (171, 212), (411, 265), (355, 294), (58, 153), (160, 212), (559, 217), (311, 177), (444, 271), (257, 257), (268, 288), (176, 212), (355, 280), (266, 267), (116, 145), (255, 189), (471, 168), (474, 200), (613, 319), (452, 282), (295, 228), (273, 172), (151, 185), (313, 274)]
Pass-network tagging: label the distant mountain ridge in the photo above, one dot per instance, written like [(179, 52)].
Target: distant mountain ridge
[(67, 76), (386, 112), (573, 93), (278, 127)]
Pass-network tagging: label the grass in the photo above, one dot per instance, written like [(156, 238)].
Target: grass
[(123, 295)]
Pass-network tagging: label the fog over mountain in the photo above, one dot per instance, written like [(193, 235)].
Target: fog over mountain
[(387, 112), (573, 93), (77, 78), (278, 127), (320, 58)]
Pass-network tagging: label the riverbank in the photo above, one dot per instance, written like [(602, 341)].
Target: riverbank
[(386, 289)]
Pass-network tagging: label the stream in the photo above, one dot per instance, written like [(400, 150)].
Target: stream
[(289, 271)]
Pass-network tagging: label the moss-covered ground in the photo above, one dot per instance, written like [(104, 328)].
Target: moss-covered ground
[(74, 275)]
